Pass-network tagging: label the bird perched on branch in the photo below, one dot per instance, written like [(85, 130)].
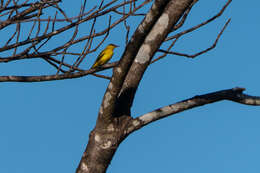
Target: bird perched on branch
[(105, 55)]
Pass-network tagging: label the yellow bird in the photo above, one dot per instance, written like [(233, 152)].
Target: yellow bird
[(105, 55)]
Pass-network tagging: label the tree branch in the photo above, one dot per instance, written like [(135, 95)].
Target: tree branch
[(234, 94), (57, 76), (201, 24), (119, 72), (198, 53), (93, 15), (171, 15)]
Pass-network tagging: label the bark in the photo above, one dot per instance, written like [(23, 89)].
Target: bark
[(234, 94), (114, 117), (165, 24), (102, 145), (109, 102)]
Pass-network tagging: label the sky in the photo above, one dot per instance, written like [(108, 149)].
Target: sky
[(44, 127)]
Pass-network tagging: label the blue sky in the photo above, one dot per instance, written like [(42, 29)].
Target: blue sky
[(44, 127)]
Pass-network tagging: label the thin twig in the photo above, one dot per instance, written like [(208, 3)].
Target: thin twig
[(203, 51), (201, 24)]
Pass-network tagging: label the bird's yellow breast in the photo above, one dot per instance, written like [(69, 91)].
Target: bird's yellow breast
[(103, 57), (107, 56)]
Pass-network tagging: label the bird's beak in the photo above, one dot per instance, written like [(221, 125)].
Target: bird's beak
[(116, 46)]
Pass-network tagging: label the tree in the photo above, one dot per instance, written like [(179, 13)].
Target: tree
[(154, 33)]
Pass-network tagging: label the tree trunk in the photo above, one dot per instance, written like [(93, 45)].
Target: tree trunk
[(102, 145)]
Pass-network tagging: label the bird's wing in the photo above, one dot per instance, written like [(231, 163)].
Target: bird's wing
[(100, 56)]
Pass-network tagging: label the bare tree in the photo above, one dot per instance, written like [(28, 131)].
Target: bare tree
[(160, 26)]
